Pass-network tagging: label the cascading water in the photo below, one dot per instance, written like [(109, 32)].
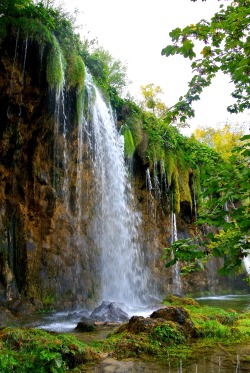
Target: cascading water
[(61, 120), (149, 188), (123, 273), (177, 286)]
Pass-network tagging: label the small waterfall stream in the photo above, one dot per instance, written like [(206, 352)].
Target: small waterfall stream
[(123, 273), (177, 286)]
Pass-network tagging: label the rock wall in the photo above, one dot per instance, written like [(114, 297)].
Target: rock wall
[(41, 256)]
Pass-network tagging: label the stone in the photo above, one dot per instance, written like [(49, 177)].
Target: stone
[(108, 312), (178, 315), (6, 317), (85, 325), (139, 324)]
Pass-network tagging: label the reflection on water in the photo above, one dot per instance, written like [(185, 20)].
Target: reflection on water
[(235, 302), (213, 364)]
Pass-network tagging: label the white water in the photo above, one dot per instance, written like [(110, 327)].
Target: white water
[(61, 147), (116, 224), (177, 285), (246, 262)]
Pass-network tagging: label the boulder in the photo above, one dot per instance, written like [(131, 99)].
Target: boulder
[(109, 312), (6, 318), (178, 315), (85, 325), (139, 324)]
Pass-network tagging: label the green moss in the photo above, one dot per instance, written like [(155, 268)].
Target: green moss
[(129, 146), (176, 191), (75, 76), (135, 127), (177, 301), (55, 66), (30, 350), (168, 333), (185, 192), (75, 72)]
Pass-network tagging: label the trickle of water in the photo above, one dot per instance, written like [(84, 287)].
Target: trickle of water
[(149, 188), (195, 203), (177, 285), (123, 273), (227, 210), (79, 174), (61, 120)]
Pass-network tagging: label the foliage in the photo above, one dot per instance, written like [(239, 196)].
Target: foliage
[(168, 333), (226, 207), (222, 140), (226, 47), (152, 101), (109, 73), (26, 350), (55, 67), (129, 146)]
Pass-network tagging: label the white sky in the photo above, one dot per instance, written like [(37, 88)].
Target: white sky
[(135, 31)]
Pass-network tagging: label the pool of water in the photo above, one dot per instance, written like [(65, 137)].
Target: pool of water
[(236, 302), (212, 364)]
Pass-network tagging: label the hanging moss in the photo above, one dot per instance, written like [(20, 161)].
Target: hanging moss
[(185, 192), (129, 146), (55, 66), (75, 72), (176, 191), (170, 165), (75, 77), (135, 127)]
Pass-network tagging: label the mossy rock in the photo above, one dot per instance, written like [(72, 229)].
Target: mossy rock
[(173, 299)]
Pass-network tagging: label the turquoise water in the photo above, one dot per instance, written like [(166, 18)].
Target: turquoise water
[(235, 302)]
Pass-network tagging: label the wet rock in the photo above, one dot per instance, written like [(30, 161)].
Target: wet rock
[(109, 311), (139, 324), (85, 325), (178, 315), (6, 317), (21, 307)]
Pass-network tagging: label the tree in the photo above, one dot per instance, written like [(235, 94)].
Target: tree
[(222, 140), (115, 70), (226, 48), (12, 7), (225, 207), (152, 101)]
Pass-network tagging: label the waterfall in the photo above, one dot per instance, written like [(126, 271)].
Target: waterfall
[(116, 223), (61, 146), (149, 188), (177, 285)]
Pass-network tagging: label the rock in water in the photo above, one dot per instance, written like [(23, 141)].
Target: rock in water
[(109, 311), (85, 325)]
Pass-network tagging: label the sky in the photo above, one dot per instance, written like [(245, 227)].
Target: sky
[(135, 32)]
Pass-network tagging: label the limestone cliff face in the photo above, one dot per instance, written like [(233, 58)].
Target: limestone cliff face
[(47, 250), (41, 255)]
